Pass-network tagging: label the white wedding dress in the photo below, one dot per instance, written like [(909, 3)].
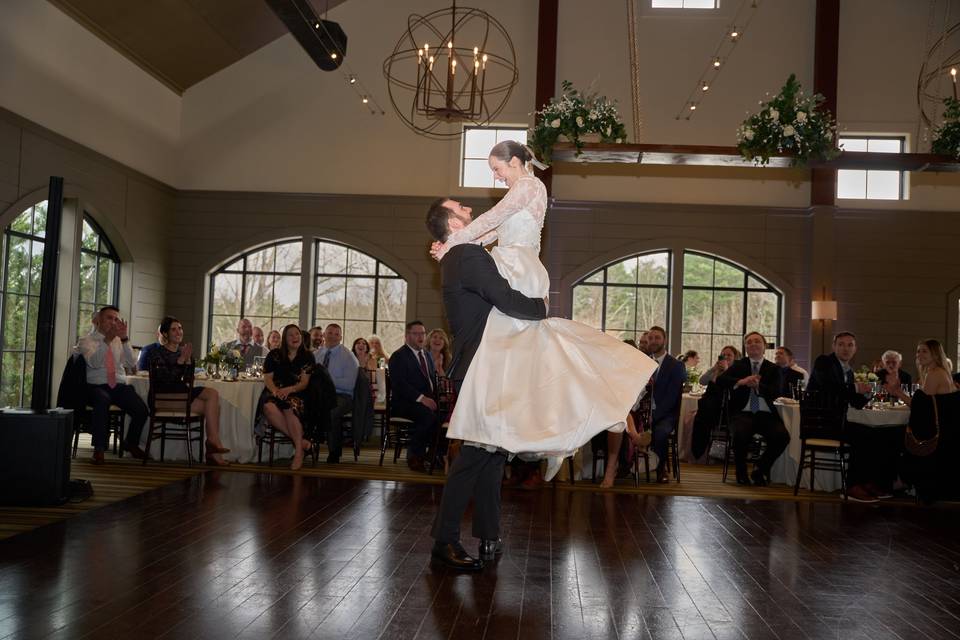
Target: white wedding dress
[(542, 387)]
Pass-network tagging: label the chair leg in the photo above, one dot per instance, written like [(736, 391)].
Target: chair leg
[(636, 469), (646, 467), (149, 440), (76, 439), (570, 464), (384, 441), (593, 469), (676, 460), (813, 467), (187, 433), (260, 448), (796, 485), (726, 458), (843, 473)]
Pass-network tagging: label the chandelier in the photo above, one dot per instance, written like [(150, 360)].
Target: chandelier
[(452, 65)]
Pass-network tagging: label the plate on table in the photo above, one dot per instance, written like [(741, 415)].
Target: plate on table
[(786, 401)]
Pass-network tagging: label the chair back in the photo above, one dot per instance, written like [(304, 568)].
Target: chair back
[(822, 416), (643, 414), (169, 399), (372, 382), (446, 397)]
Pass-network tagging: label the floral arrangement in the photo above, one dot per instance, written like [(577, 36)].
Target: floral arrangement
[(947, 136), (217, 356), (864, 374), (791, 122), (575, 114), (693, 376)]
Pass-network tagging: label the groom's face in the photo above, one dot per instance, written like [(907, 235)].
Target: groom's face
[(462, 214)]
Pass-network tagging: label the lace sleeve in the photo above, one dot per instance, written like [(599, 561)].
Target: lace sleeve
[(522, 195)]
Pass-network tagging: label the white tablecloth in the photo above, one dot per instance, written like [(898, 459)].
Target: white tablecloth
[(238, 408)]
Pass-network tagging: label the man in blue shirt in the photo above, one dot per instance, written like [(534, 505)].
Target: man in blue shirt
[(342, 366)]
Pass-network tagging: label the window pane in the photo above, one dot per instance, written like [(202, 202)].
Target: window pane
[(762, 314), (226, 294), (386, 271), (392, 301), (36, 266), (105, 281), (623, 272), (851, 183), (654, 268), (40, 220), (360, 299), (697, 270), (853, 144), (353, 329), (360, 264), (33, 308), (23, 223), (517, 135), (18, 264), (721, 341), (391, 334), (88, 274), (588, 305), (286, 297), (476, 173), (263, 260), (477, 143), (697, 311), (701, 343), (237, 265), (596, 277), (14, 322), (667, 4), (728, 276), (753, 283), (289, 257), (883, 185), (699, 4), (89, 239), (258, 295), (12, 379), (331, 258), (331, 297), (224, 329), (728, 312), (621, 308), (885, 145), (651, 308), (84, 315)]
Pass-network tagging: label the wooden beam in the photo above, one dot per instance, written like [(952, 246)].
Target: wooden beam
[(546, 65), (823, 188)]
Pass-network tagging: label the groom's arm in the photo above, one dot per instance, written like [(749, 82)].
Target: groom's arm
[(479, 275)]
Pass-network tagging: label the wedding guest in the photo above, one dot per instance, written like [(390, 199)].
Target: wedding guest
[(932, 369), (614, 443), (956, 380), (244, 343), (439, 346), (727, 355), (316, 338), (376, 375), (668, 381), (107, 351), (376, 350), (273, 340), (342, 366), (642, 342), (172, 365), (833, 373), (789, 377), (361, 351), (891, 369), (690, 360), (258, 336), (147, 350), (286, 375), (413, 394)]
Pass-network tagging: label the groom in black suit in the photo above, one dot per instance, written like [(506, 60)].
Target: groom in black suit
[(472, 286)]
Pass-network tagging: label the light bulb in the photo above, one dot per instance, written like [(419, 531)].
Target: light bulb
[(693, 107), (953, 72), (476, 50), (316, 25), (734, 33), (705, 87), (365, 100), (333, 56), (353, 79), (716, 63)]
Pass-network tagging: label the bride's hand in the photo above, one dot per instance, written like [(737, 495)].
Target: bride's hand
[(438, 250)]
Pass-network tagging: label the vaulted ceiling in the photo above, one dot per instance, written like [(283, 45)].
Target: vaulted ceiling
[(181, 42)]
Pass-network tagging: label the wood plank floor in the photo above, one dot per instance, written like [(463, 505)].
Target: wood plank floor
[(257, 555)]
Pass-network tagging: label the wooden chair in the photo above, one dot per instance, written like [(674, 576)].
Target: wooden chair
[(171, 411), (446, 399), (822, 423), (757, 445), (116, 419), (396, 432)]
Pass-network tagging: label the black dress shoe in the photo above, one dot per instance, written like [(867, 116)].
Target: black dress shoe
[(332, 459), (758, 478), (743, 480), (490, 548), (453, 555)]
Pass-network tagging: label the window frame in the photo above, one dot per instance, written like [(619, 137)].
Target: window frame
[(902, 183), (683, 7), (463, 151), (111, 254)]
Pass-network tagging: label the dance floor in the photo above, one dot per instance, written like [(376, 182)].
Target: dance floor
[(227, 554)]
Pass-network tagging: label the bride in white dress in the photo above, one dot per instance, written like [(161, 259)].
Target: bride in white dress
[(537, 387)]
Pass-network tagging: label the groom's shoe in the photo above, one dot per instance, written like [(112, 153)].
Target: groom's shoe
[(453, 555), (489, 549)]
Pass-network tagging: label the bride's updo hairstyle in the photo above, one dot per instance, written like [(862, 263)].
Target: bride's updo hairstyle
[(508, 149)]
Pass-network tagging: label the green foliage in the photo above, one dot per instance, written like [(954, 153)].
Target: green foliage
[(947, 136), (789, 123), (575, 114)]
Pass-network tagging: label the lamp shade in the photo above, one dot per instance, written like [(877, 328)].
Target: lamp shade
[(824, 310)]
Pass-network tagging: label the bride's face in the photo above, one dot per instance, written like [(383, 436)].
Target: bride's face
[(505, 171)]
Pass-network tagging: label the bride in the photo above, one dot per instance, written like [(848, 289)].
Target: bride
[(537, 387)]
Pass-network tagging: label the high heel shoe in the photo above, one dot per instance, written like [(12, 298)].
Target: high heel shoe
[(213, 461), (213, 449)]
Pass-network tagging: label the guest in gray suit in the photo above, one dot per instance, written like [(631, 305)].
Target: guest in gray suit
[(244, 343)]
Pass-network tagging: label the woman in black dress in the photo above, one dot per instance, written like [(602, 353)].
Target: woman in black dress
[(286, 374), (172, 366)]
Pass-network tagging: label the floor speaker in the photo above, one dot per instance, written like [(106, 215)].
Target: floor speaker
[(35, 457)]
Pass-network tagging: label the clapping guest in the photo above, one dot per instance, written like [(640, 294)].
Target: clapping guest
[(244, 343), (727, 355), (439, 346), (376, 350), (172, 365), (258, 336), (891, 371), (342, 366), (273, 340), (286, 375)]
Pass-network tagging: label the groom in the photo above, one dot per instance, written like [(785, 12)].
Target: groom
[(472, 286)]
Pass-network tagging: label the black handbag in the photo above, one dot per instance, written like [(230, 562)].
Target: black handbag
[(924, 448)]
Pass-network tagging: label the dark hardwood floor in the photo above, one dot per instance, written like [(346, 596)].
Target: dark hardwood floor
[(241, 555)]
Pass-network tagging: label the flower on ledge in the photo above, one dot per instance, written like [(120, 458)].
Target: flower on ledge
[(573, 115), (947, 136), (790, 123)]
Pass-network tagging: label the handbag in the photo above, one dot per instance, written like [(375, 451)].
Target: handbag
[(718, 450), (924, 448)]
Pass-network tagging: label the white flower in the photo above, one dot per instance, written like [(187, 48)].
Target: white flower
[(555, 124), (593, 115), (774, 115), (788, 130), (619, 140), (801, 116), (748, 134), (609, 131), (579, 121)]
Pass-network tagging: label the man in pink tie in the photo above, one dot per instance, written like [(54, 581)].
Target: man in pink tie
[(107, 351)]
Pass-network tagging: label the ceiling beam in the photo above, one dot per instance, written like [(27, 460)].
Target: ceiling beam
[(823, 186), (546, 65)]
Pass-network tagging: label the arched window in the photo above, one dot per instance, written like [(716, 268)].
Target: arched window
[(626, 297), (262, 285), (360, 293), (722, 302), (22, 264), (99, 273)]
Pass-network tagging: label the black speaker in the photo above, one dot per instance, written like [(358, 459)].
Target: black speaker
[(324, 41), (35, 456)]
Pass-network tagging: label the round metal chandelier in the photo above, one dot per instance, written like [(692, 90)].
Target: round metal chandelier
[(938, 70), (450, 66)]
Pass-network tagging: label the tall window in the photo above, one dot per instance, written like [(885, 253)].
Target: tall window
[(722, 302), (99, 273), (22, 264), (871, 184), (262, 285), (360, 293), (626, 297), (477, 142), (684, 4)]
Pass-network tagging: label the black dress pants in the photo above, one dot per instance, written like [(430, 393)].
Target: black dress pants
[(768, 424), (476, 473), (101, 396)]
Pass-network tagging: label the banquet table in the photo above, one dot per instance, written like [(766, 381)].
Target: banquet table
[(238, 408)]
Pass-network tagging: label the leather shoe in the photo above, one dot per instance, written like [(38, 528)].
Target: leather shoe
[(454, 556), (135, 451), (98, 457), (490, 548), (743, 480), (662, 476), (758, 478)]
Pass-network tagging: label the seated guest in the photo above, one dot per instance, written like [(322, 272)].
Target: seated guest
[(631, 342), (668, 381), (172, 366), (286, 375), (147, 350), (244, 343), (412, 389), (891, 369), (273, 340), (376, 375), (956, 380), (342, 366), (727, 356), (642, 343), (789, 377), (376, 350), (754, 384), (833, 374), (258, 336), (614, 443), (439, 346), (932, 363), (107, 351), (316, 338), (690, 360)]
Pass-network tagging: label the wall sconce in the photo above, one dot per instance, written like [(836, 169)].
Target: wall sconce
[(823, 310)]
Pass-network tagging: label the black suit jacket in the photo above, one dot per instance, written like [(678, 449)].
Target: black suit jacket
[(472, 286), (668, 383), (788, 378), (827, 378), (769, 388), (407, 382)]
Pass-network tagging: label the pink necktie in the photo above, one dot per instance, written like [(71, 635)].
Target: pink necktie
[(111, 368)]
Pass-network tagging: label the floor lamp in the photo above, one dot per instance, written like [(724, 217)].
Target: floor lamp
[(823, 310)]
